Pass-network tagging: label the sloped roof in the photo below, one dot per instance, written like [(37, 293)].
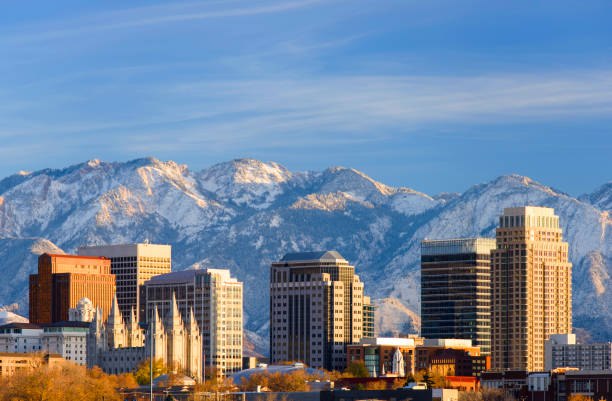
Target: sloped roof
[(318, 255)]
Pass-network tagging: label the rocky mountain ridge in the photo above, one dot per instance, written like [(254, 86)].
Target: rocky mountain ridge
[(244, 214)]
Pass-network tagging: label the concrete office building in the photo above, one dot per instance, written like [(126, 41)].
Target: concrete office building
[(63, 280), (456, 290), (316, 309), (216, 300), (561, 351), (132, 265), (532, 287)]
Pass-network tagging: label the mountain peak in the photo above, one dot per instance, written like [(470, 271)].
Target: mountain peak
[(246, 171)]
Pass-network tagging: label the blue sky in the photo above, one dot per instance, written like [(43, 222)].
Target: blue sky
[(433, 95)]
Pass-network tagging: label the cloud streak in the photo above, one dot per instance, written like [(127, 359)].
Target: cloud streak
[(134, 18), (348, 108)]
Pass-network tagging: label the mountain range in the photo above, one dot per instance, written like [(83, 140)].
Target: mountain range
[(244, 214)]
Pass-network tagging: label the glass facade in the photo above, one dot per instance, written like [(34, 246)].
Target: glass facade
[(456, 290)]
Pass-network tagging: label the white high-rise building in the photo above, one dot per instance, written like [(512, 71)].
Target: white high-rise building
[(216, 300), (132, 264)]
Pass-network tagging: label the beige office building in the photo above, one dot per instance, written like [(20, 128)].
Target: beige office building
[(132, 265), (532, 287), (316, 309)]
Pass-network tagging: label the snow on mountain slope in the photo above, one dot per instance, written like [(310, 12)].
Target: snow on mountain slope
[(20, 259), (246, 182), (394, 318), (601, 198), (244, 214)]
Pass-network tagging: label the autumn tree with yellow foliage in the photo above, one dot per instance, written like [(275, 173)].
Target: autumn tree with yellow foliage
[(64, 381)]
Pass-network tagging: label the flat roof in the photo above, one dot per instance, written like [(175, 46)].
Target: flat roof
[(68, 324), (187, 276), (316, 255), (59, 255), (21, 326)]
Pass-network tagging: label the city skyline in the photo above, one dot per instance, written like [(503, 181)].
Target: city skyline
[(417, 95)]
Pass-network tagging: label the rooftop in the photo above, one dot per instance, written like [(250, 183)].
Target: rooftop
[(319, 255), (59, 255), (188, 276), (69, 324), (21, 326)]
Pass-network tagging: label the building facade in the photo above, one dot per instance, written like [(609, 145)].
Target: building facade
[(369, 318), (132, 265), (15, 363), (532, 287), (456, 290), (67, 339), (63, 280), (216, 300), (20, 338), (119, 346), (377, 353), (561, 351), (425, 353), (316, 309)]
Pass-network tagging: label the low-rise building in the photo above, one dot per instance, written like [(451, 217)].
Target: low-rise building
[(457, 362), (425, 352), (67, 339), (512, 382), (561, 350), (20, 338), (12, 362), (377, 353)]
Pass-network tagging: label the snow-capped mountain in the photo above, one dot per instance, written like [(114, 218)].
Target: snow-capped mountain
[(244, 214)]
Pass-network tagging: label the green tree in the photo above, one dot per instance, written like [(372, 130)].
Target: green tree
[(143, 375), (357, 369)]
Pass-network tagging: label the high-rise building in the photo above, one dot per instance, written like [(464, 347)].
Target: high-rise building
[(532, 287), (369, 311), (456, 290), (132, 264), (63, 280), (216, 300), (316, 309)]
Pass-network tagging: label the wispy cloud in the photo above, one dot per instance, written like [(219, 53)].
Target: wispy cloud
[(144, 16), (333, 108)]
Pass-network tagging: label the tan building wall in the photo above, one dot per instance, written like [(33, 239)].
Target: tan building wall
[(11, 363), (532, 287), (132, 265), (63, 280)]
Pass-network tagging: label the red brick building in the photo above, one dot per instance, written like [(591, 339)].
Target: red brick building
[(63, 280)]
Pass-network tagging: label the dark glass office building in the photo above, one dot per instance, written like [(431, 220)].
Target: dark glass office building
[(456, 290)]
